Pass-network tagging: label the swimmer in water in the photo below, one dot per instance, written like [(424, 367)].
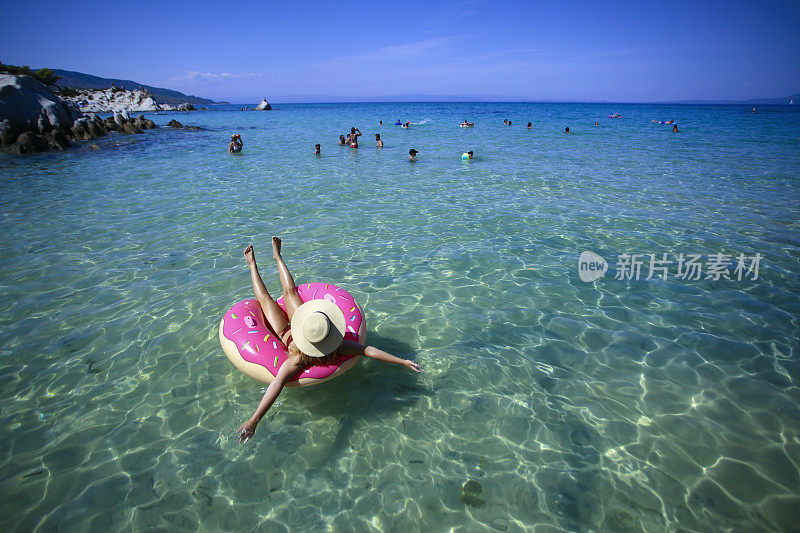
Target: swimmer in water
[(596, 124), (355, 133), (505, 122), (529, 125), (236, 144), (674, 128), (342, 140), (378, 141), (469, 155), (566, 130), (406, 125), (313, 353), (412, 155), (380, 123), (316, 149)]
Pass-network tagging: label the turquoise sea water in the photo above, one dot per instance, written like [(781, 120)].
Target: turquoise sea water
[(548, 403)]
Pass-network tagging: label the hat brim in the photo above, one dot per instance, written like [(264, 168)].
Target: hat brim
[(335, 335)]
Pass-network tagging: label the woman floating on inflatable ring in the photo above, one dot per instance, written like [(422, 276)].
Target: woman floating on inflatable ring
[(313, 332)]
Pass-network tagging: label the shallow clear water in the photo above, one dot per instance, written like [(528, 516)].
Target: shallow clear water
[(616, 405)]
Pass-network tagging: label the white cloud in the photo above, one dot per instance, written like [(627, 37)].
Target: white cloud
[(197, 76)]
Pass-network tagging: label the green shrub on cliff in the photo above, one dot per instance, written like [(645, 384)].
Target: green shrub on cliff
[(44, 75), (68, 91)]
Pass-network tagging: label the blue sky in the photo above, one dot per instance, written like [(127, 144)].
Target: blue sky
[(564, 50)]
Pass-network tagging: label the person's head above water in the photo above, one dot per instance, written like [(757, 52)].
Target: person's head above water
[(318, 329), (566, 130), (353, 129), (377, 136), (413, 153)]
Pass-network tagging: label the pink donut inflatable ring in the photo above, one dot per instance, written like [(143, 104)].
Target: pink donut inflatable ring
[(256, 350)]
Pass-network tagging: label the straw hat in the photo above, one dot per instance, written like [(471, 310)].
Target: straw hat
[(318, 328)]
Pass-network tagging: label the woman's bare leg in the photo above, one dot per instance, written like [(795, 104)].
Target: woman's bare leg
[(274, 314), (290, 295)]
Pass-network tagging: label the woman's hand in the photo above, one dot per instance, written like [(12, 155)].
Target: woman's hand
[(412, 365), (247, 430)]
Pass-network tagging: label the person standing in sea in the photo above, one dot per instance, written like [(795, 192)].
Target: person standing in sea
[(236, 144), (355, 133)]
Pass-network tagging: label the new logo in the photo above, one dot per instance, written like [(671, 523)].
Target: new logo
[(591, 266)]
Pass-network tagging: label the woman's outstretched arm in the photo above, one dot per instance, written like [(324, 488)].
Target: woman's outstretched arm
[(354, 348), (248, 429)]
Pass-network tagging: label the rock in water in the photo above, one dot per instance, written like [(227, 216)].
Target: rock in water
[(29, 143), (128, 127), (264, 106), (470, 493), (186, 106), (27, 105), (58, 140), (174, 124), (34, 119)]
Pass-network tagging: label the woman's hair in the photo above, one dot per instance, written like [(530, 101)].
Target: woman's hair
[(306, 360)]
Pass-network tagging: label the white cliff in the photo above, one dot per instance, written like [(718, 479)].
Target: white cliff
[(114, 100)]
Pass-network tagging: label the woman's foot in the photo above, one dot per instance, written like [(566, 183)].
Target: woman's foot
[(276, 248), (249, 255)]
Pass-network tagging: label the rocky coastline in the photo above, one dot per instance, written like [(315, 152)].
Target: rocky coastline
[(35, 119), (115, 99)]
